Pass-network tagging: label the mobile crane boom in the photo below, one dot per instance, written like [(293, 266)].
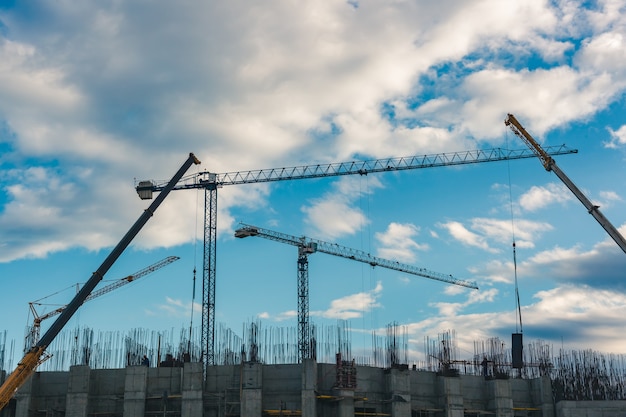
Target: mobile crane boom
[(307, 246), (26, 367), (550, 165)]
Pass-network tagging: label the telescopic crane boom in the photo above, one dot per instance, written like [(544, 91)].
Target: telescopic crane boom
[(26, 367), (33, 335), (210, 182), (550, 165), (307, 246)]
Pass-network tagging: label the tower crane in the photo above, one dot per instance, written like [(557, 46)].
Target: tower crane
[(307, 246), (550, 165), (33, 335), (210, 182), (27, 365)]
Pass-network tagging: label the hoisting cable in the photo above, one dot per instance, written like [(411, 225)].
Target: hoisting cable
[(193, 289), (518, 308)]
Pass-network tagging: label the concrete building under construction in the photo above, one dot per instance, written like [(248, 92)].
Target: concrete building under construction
[(309, 389), (87, 379)]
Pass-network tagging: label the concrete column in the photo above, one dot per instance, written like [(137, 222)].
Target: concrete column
[(500, 399), (77, 399), (135, 389), (451, 396), (309, 386), (399, 389), (541, 395), (346, 404), (252, 390), (192, 389), (24, 397)]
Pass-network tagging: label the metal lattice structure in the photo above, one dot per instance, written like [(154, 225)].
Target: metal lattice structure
[(307, 246), (210, 182)]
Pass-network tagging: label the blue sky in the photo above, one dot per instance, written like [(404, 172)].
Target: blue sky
[(94, 96)]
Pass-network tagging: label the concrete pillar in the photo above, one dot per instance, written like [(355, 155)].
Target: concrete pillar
[(541, 394), (399, 389), (192, 389), (135, 389), (77, 398), (309, 386), (500, 399), (252, 389), (346, 404), (451, 396), (23, 398)]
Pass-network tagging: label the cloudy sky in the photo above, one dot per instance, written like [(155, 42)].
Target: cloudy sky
[(95, 96)]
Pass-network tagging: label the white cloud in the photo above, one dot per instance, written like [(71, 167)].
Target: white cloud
[(333, 215), (569, 316), (539, 197), (604, 53), (398, 244), (618, 138), (481, 231), (352, 306), (465, 236), (452, 309), (244, 88), (173, 308)]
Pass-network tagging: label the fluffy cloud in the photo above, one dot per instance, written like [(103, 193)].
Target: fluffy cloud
[(352, 306), (618, 138), (334, 214), (398, 244), (539, 197)]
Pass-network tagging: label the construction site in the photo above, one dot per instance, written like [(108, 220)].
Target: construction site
[(308, 370), (93, 374)]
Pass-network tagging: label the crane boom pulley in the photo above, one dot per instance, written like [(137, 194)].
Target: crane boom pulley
[(550, 165)]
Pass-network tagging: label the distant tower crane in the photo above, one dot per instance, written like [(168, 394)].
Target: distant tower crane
[(307, 246), (210, 182), (27, 365), (550, 165), (33, 335)]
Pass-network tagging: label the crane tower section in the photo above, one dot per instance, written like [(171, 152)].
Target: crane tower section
[(307, 246)]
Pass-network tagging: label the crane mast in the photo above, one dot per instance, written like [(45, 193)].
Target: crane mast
[(27, 365), (210, 182), (550, 165), (307, 246), (33, 335)]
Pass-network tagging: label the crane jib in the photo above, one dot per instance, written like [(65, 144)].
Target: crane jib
[(207, 179)]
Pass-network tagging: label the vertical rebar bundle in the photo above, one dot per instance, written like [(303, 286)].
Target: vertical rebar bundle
[(575, 375)]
